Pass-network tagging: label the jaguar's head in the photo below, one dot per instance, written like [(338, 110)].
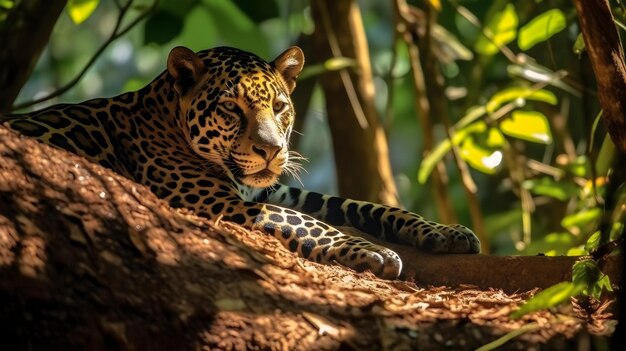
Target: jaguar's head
[(235, 109)]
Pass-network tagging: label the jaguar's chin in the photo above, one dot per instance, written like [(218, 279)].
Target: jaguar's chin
[(260, 179)]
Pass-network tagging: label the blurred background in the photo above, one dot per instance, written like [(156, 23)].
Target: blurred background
[(477, 112)]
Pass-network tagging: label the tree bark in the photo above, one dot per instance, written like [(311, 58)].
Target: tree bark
[(359, 140), (607, 59), (24, 35), (91, 260), (604, 47)]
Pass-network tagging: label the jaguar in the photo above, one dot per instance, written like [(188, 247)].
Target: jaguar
[(211, 134)]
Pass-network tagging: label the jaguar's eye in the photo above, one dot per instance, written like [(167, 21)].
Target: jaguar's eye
[(279, 106), (229, 105)]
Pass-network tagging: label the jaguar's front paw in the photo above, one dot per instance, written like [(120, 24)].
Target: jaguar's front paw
[(383, 262), (440, 238)]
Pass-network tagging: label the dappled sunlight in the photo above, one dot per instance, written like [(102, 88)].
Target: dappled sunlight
[(32, 255), (8, 241)]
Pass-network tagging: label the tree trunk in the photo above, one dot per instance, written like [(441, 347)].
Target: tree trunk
[(90, 260), (24, 34), (359, 140), (606, 54)]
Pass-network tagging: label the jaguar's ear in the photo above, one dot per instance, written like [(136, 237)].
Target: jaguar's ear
[(289, 64), (186, 68)]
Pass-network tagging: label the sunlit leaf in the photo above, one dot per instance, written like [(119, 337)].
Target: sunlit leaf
[(332, 64), (495, 139), (604, 160), (593, 242), (579, 44), (581, 218), (482, 159), (547, 186), (617, 229), (541, 28), (438, 153), (499, 342), (578, 166), (528, 125), (549, 297), (7, 4), (80, 10), (513, 93), (436, 4), (502, 29), (551, 244), (576, 251)]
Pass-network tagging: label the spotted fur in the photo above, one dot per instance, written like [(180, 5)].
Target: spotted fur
[(211, 134)]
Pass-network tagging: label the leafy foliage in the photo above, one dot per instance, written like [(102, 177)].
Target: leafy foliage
[(500, 29), (541, 28), (80, 10), (587, 280)]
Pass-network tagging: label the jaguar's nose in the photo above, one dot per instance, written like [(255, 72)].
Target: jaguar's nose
[(267, 151), (265, 136)]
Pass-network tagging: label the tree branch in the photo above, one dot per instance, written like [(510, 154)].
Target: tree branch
[(24, 35), (117, 32)]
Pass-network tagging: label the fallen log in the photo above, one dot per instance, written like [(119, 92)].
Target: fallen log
[(92, 260)]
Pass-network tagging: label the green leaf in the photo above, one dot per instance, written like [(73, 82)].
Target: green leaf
[(482, 159), (547, 186), (527, 125), (576, 251), (162, 27), (501, 28), (579, 45), (578, 166), (548, 298), (198, 20), (551, 244), (587, 279), (7, 4), (541, 28), (258, 11), (581, 218), (496, 344), (236, 27), (513, 93), (593, 242), (604, 283), (438, 153), (587, 274), (495, 139), (80, 10), (332, 64)]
